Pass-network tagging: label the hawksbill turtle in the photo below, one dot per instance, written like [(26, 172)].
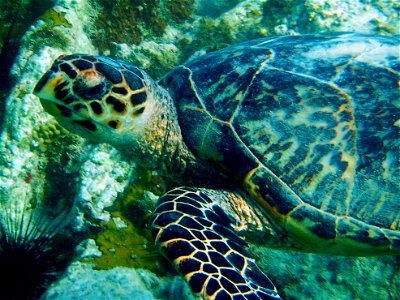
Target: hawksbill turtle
[(296, 134)]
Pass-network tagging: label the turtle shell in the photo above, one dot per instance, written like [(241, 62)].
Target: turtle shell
[(308, 121)]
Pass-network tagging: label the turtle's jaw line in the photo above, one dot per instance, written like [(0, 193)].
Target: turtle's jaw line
[(46, 90), (46, 87), (70, 119), (47, 100)]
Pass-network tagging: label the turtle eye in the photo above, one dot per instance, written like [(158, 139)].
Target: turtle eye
[(90, 89)]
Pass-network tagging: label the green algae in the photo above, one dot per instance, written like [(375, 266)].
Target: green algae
[(136, 204), (125, 247), (132, 246), (56, 18), (134, 21), (47, 32)]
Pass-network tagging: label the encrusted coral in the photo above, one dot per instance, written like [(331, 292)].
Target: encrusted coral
[(126, 21), (58, 147), (317, 16), (210, 35), (45, 135), (155, 59), (180, 10)]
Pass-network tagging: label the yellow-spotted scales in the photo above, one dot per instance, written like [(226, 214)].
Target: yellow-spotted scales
[(304, 127)]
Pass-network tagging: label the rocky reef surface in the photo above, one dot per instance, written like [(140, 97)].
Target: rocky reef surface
[(109, 199)]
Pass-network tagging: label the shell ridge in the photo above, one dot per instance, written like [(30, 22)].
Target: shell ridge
[(352, 126), (356, 58), (269, 171), (195, 90), (259, 69)]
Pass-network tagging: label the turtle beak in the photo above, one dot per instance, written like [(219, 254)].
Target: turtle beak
[(46, 87)]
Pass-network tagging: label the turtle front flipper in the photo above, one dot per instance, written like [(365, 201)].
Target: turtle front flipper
[(196, 235)]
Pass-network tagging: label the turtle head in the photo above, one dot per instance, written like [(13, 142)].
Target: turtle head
[(109, 101), (96, 97)]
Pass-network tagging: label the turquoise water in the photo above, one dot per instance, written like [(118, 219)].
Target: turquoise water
[(110, 201)]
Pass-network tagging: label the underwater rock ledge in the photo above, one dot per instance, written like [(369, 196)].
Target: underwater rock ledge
[(38, 157), (83, 282)]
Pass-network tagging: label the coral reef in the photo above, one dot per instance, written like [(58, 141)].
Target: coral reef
[(210, 35), (314, 276), (156, 59), (180, 10), (321, 16), (111, 200), (124, 21), (214, 9)]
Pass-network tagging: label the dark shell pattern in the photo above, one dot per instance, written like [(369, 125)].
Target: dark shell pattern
[(319, 113)]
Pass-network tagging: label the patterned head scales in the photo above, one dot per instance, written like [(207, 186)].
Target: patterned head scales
[(94, 95)]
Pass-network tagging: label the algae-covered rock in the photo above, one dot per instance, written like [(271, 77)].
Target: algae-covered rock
[(379, 17), (125, 21), (83, 282), (315, 276), (155, 58), (100, 186), (15, 19), (28, 132)]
